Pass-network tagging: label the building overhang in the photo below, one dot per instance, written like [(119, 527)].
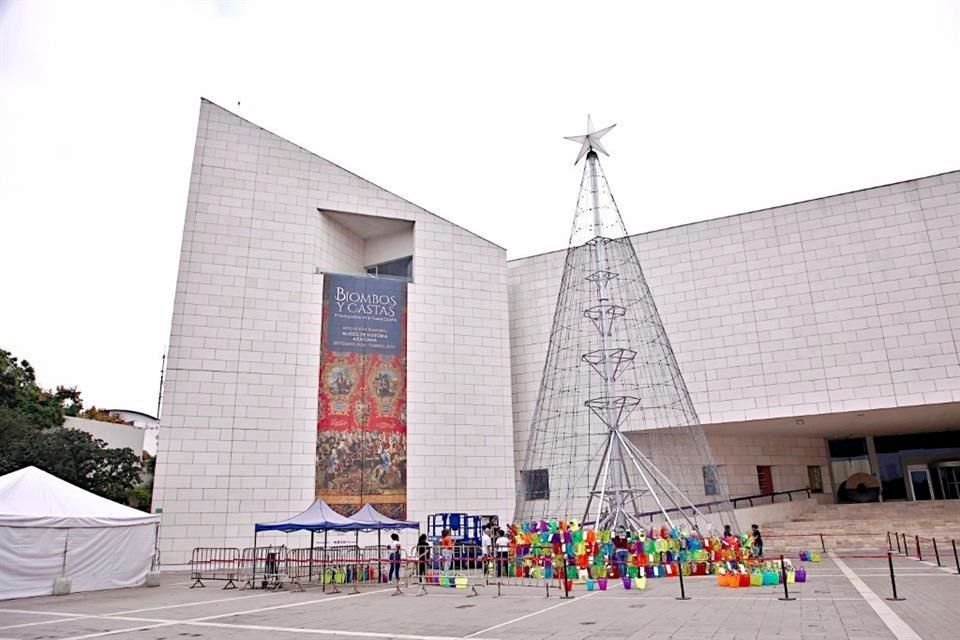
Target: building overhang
[(850, 424)]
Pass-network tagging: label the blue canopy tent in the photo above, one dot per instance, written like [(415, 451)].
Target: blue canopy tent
[(370, 518), (318, 517), (321, 517)]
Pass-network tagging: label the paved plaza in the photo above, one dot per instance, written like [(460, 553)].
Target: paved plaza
[(843, 598)]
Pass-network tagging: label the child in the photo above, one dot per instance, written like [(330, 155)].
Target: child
[(757, 542)]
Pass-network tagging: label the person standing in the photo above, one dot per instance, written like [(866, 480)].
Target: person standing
[(621, 552), (446, 549), (503, 552), (486, 550), (423, 555), (757, 541), (394, 558)]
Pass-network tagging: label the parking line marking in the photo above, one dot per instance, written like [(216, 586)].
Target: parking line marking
[(900, 629), (193, 604), (42, 622), (529, 615), (324, 632), (67, 617), (161, 623), (44, 613)]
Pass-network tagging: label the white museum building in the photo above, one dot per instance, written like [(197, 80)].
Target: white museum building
[(817, 339)]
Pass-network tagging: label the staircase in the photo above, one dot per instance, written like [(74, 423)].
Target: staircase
[(865, 526)]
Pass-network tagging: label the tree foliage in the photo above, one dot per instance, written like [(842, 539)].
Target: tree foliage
[(32, 433)]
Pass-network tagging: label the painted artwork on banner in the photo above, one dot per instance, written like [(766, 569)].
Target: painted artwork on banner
[(362, 400)]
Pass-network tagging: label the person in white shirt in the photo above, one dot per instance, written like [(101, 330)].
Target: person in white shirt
[(394, 549), (503, 552), (486, 550)]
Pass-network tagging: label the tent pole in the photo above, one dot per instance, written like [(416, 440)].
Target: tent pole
[(379, 559), (310, 570), (156, 548), (324, 579), (254, 571), (66, 543)]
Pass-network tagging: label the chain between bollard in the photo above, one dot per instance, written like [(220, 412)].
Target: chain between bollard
[(893, 579)]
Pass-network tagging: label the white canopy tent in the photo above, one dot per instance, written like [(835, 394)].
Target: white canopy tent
[(51, 529)]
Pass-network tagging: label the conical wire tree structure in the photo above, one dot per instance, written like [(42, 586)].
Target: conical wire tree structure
[(615, 440)]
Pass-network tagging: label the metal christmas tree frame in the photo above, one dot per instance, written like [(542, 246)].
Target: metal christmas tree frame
[(610, 370)]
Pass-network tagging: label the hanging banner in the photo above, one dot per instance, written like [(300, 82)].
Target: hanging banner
[(362, 403)]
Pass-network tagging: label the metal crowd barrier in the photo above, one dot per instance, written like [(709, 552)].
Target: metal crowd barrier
[(459, 567), (270, 567), (303, 564), (266, 565), (339, 568), (212, 563), (532, 566)]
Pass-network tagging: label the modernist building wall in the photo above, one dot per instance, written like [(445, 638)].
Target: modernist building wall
[(117, 436), (844, 303), (264, 220)]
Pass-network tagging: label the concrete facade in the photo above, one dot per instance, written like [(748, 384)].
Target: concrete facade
[(841, 304), (264, 220)]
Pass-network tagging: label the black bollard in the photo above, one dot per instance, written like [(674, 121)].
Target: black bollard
[(956, 558), (919, 552), (889, 544), (683, 593), (905, 552), (896, 536), (783, 576), (893, 579), (823, 545), (936, 552)]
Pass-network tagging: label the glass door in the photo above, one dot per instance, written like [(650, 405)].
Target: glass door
[(921, 488)]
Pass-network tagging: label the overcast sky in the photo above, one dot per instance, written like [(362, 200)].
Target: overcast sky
[(722, 107)]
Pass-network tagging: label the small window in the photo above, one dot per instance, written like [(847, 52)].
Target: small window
[(815, 479), (536, 484), (765, 479), (711, 480), (402, 268)]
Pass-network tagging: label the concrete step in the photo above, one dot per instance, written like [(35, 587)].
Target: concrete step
[(865, 526)]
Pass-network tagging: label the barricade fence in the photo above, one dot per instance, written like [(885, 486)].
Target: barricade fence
[(212, 563), (271, 567), (457, 566), (558, 565), (266, 566)]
